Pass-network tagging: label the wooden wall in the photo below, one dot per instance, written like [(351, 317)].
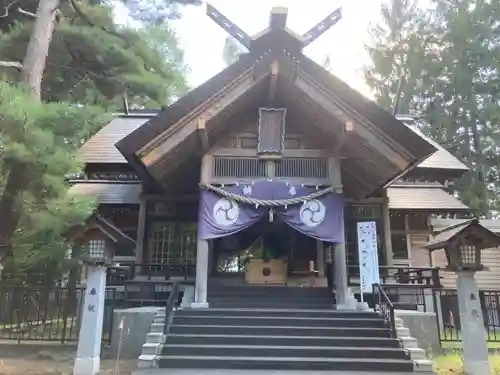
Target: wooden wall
[(420, 257)]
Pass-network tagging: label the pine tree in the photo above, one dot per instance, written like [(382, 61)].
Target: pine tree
[(44, 121)]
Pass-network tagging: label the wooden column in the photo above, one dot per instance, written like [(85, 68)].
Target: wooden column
[(202, 251), (320, 254), (386, 220), (141, 231)]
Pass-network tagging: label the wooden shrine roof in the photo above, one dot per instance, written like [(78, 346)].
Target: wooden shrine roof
[(101, 147), (106, 226), (485, 238), (422, 197), (109, 192), (441, 159), (438, 224)]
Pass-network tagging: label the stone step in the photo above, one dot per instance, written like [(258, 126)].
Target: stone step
[(285, 363), (283, 351), (216, 339), (278, 312), (183, 371), (270, 303), (279, 330), (278, 320)]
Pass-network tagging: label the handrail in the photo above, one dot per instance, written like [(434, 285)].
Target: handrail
[(385, 307), (173, 298)]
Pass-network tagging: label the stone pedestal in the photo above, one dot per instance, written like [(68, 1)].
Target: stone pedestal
[(475, 347), (88, 354)]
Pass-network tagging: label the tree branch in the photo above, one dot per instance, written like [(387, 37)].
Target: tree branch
[(11, 64), (6, 10), (26, 13)]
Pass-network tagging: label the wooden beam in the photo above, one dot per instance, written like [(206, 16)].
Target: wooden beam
[(179, 131), (277, 19), (373, 140), (273, 81), (321, 27), (229, 26), (202, 131)]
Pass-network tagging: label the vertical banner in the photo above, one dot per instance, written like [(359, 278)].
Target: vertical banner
[(368, 256)]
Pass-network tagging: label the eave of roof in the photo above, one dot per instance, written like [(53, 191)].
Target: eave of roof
[(446, 236), (109, 192), (439, 160), (423, 197), (168, 116), (101, 147)]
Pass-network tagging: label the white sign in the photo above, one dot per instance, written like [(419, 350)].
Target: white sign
[(368, 256)]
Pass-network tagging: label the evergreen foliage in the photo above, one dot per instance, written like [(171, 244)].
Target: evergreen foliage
[(445, 59), (92, 62)]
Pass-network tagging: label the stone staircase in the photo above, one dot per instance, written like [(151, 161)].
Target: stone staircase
[(280, 328)]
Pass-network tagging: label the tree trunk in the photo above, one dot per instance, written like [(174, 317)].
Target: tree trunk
[(480, 165), (38, 46), (32, 73)]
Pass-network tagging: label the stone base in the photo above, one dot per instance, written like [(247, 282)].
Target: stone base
[(199, 305), (87, 366), (475, 367)]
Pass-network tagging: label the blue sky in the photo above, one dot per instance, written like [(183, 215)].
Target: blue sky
[(203, 40)]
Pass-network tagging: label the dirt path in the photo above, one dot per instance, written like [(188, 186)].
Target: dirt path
[(41, 365)]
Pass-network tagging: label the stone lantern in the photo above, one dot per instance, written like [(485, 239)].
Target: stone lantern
[(463, 244), (98, 238)]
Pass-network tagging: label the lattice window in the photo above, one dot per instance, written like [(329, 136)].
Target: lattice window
[(239, 167), (316, 168), (188, 238), (172, 243), (161, 242), (364, 211), (162, 208), (96, 249)]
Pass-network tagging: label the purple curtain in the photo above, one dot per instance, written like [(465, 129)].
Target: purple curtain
[(321, 218)]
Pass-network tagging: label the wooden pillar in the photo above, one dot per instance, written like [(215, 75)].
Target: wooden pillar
[(141, 231), (386, 220), (320, 255), (202, 251), (340, 276)]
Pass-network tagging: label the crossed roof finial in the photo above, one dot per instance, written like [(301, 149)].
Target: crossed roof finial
[(277, 20)]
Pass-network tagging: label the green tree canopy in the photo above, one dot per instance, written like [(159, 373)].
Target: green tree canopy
[(445, 60), (97, 61)]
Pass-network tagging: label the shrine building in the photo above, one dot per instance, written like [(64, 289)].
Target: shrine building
[(263, 173)]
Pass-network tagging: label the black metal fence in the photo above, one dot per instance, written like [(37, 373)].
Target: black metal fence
[(49, 313), (448, 315)]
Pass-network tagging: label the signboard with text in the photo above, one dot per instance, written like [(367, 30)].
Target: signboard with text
[(368, 255)]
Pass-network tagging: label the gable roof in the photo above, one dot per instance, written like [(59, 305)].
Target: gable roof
[(138, 138), (469, 227), (101, 147), (107, 227)]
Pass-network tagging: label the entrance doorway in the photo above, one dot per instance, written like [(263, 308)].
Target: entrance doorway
[(268, 253)]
